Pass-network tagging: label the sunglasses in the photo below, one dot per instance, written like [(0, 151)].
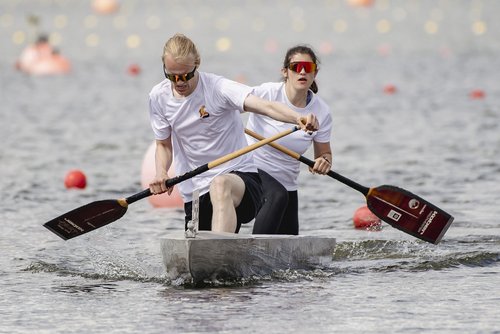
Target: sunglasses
[(179, 77), (297, 66)]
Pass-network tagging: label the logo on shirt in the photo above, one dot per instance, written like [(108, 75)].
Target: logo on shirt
[(203, 112)]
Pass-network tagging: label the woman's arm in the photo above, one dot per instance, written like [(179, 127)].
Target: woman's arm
[(322, 158)]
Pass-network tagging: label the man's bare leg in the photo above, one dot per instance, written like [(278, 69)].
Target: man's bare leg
[(226, 193)]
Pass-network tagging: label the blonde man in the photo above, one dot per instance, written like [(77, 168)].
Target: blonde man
[(195, 118)]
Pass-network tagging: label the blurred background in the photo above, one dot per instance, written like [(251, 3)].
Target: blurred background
[(130, 31), (401, 71)]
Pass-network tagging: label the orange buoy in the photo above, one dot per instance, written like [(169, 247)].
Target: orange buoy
[(75, 179), (477, 94), (105, 6), (360, 3), (390, 89), (148, 172), (365, 219)]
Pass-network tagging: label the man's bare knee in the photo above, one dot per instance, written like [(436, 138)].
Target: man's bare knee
[(220, 188), (229, 187)]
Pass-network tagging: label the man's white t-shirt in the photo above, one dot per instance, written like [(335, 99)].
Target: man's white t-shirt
[(279, 165), (204, 126)]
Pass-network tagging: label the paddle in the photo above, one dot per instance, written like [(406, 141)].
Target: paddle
[(395, 206), (97, 214)]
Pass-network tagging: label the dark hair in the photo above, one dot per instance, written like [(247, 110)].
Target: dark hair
[(302, 49)]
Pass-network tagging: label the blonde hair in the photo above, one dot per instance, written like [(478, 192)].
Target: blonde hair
[(181, 47)]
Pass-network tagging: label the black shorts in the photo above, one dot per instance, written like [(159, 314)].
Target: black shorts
[(245, 212)]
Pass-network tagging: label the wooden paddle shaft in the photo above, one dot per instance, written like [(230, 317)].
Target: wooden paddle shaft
[(261, 142), (175, 180)]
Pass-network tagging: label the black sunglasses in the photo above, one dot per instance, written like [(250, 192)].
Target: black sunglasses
[(179, 77)]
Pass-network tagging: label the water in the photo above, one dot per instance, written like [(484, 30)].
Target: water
[(429, 138)]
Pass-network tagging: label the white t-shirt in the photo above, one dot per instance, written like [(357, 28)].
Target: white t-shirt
[(204, 126), (281, 166)]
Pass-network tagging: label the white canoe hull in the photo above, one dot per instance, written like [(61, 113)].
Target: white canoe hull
[(213, 256)]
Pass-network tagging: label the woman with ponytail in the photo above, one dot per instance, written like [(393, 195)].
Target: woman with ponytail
[(278, 171)]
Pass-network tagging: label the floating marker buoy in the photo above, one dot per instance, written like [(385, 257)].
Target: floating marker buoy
[(390, 89), (364, 219), (105, 6), (75, 179), (134, 69), (477, 94), (148, 172), (360, 3)]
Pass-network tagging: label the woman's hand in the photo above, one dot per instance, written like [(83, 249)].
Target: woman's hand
[(322, 165), (308, 123)]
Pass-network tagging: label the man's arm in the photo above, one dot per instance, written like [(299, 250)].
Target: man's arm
[(280, 112), (163, 160)]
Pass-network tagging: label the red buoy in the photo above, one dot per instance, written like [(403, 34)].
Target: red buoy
[(365, 219), (134, 69), (390, 89), (477, 94), (75, 179)]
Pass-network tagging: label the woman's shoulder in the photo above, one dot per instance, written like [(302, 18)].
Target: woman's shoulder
[(321, 109), (270, 85), (320, 104), (268, 89)]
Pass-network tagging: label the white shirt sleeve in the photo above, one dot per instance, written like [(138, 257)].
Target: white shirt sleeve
[(159, 123), (233, 93)]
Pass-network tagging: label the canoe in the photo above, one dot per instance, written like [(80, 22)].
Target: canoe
[(221, 256)]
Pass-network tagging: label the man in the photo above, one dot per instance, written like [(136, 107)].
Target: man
[(195, 119)]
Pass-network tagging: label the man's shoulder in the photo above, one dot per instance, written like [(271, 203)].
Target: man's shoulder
[(160, 88)]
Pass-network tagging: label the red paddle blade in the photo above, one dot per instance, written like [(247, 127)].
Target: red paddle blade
[(87, 218), (409, 213)]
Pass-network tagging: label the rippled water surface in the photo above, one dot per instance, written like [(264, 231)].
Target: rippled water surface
[(429, 137)]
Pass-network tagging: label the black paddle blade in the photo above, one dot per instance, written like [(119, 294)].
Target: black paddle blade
[(87, 218), (409, 213)]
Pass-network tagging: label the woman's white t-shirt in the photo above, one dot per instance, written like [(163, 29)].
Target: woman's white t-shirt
[(281, 166), (204, 126)]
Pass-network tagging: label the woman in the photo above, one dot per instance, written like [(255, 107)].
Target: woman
[(195, 118), (279, 172)]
